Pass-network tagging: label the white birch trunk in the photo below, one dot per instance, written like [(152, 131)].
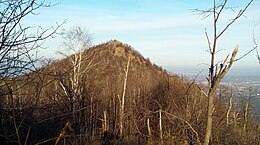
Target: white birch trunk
[(122, 100)]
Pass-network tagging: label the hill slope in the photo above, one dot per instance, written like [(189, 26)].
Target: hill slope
[(94, 91), (103, 67)]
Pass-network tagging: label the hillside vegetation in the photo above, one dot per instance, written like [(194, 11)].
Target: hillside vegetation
[(113, 95)]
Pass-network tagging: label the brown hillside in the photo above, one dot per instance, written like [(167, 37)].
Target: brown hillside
[(88, 91), (107, 69)]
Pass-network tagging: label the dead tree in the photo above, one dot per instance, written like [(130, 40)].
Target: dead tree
[(217, 71), (122, 99)]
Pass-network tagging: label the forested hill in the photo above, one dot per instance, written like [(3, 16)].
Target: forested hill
[(102, 68), (109, 94)]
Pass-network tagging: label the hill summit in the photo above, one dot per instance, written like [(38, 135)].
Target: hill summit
[(103, 66)]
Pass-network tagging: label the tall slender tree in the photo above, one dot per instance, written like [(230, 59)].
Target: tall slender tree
[(218, 71), (76, 41)]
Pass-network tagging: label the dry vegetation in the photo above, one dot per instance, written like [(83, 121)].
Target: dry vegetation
[(109, 93), (159, 108)]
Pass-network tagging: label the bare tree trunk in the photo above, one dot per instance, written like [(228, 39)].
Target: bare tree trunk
[(62, 133), (209, 121), (122, 100), (91, 117), (149, 141), (220, 72), (104, 122), (149, 128), (14, 120), (160, 126), (27, 136), (245, 116), (229, 106)]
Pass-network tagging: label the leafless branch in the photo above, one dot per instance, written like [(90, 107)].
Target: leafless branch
[(255, 48), (256, 42), (62, 115), (209, 44), (222, 6), (258, 56), (239, 14), (16, 45), (202, 13)]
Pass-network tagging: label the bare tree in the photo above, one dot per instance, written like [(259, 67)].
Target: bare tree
[(76, 41), (19, 46), (122, 99), (217, 71)]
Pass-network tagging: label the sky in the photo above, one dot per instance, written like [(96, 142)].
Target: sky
[(165, 31)]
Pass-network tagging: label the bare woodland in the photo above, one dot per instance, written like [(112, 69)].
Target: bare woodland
[(109, 93)]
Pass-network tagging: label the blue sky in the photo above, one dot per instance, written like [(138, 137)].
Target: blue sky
[(166, 31)]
